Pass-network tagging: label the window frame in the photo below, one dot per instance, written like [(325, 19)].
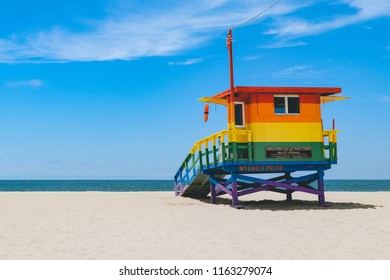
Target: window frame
[(243, 113), (286, 96)]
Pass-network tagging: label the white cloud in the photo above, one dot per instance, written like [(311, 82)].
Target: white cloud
[(186, 62), (162, 28), (254, 57), (363, 10), (292, 70), (130, 31), (25, 83), (300, 71), (284, 44)]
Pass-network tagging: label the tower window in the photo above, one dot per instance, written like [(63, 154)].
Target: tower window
[(239, 113), (286, 104)]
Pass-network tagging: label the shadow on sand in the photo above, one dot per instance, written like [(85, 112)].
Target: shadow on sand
[(283, 205)]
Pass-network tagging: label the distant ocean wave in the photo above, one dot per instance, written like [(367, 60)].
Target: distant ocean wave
[(159, 185)]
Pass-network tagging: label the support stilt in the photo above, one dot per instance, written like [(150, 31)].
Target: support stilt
[(289, 196), (213, 194), (237, 185), (321, 196), (234, 191), (287, 175)]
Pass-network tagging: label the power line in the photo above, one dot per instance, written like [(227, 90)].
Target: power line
[(259, 14)]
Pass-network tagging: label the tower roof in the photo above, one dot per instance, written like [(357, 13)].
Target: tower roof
[(323, 91), (326, 93)]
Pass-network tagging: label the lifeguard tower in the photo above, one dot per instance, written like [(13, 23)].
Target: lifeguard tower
[(271, 130)]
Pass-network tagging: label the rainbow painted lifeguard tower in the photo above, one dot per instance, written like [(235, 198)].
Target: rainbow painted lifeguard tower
[(271, 130)]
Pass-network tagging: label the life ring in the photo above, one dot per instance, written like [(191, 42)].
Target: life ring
[(206, 112)]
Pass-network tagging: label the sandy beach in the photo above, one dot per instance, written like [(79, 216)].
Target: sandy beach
[(157, 225)]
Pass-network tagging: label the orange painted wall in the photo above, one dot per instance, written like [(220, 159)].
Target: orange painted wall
[(259, 108)]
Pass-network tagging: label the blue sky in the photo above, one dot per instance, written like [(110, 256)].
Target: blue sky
[(108, 88)]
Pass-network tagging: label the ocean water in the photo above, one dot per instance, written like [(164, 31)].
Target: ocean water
[(86, 185), (160, 185)]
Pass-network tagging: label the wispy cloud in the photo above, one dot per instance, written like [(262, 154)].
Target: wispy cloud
[(361, 11), (254, 57), (129, 32), (187, 61), (35, 83), (385, 99), (299, 71), (284, 44)]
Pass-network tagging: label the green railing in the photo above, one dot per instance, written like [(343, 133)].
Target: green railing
[(234, 146), (214, 150)]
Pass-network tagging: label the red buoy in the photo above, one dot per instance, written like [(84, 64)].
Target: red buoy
[(206, 112)]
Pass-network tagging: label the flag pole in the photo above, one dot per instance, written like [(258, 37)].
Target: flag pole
[(229, 44)]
